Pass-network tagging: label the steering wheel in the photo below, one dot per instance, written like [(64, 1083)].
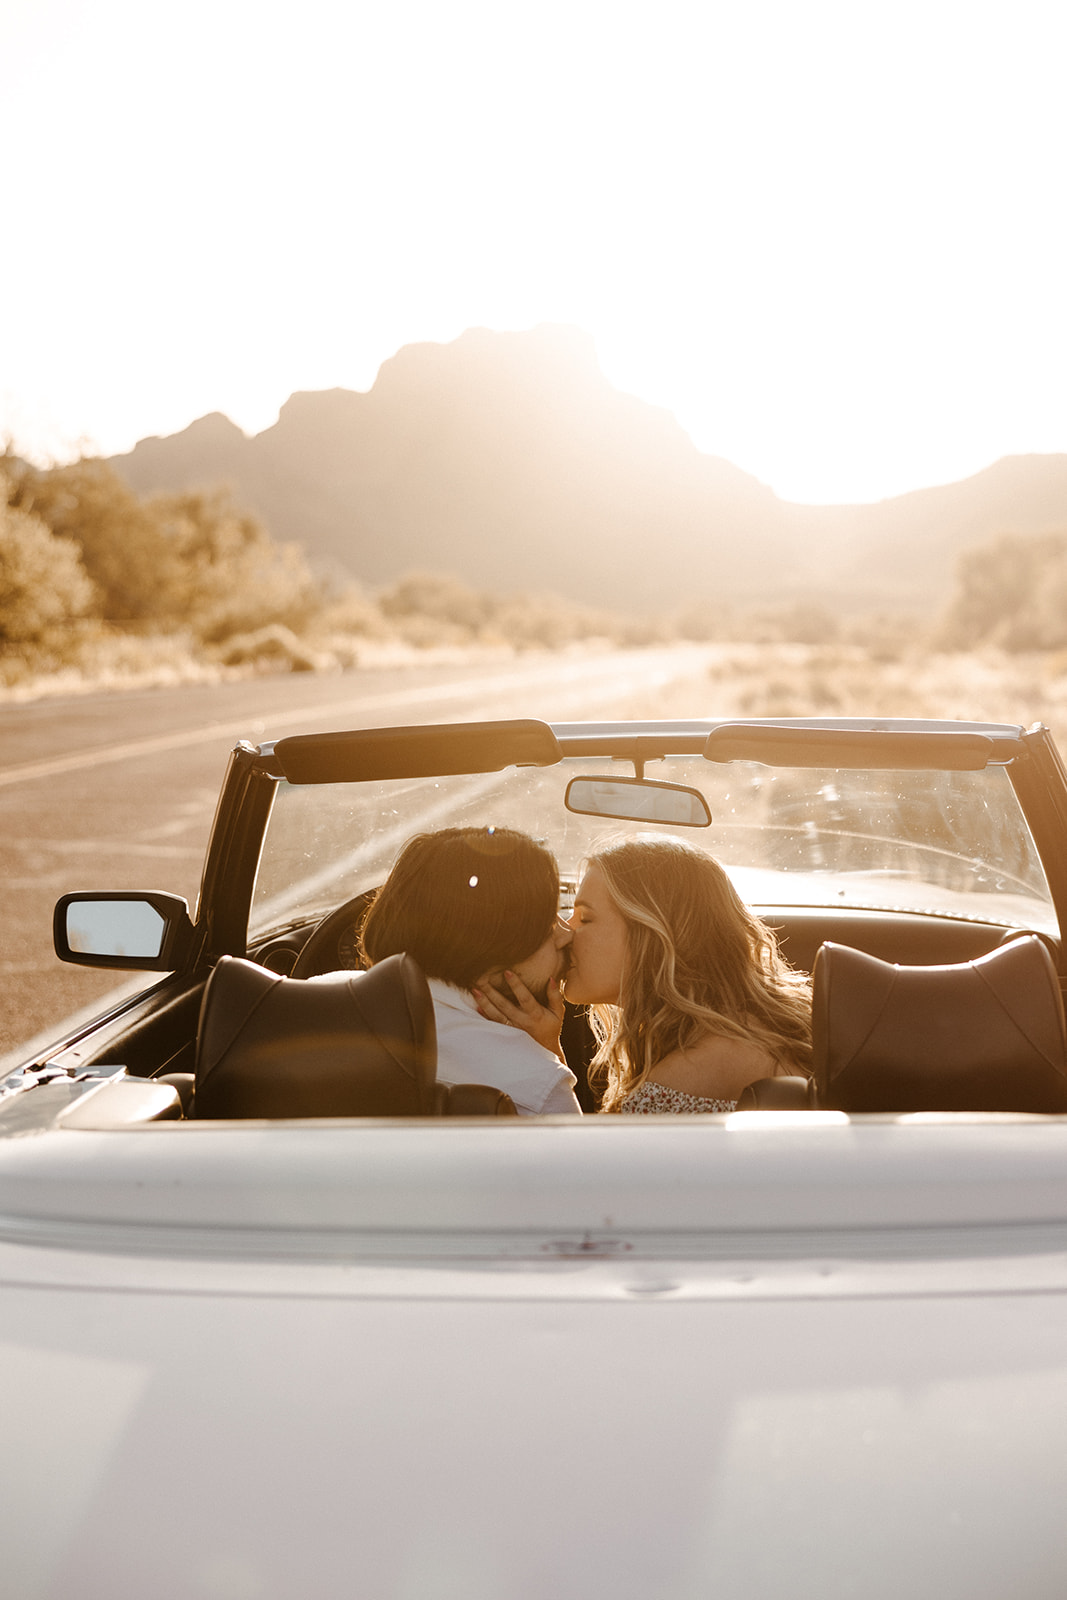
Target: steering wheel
[(331, 944)]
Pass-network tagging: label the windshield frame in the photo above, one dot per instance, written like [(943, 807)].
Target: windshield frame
[(1027, 756)]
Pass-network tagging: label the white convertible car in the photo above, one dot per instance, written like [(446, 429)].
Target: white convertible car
[(273, 1331)]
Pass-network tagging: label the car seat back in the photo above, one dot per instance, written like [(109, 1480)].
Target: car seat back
[(983, 1035), (793, 1093), (348, 1044)]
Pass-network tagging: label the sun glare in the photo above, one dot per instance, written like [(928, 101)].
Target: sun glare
[(825, 237)]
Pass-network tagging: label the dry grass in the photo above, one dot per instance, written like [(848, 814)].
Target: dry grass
[(743, 680), (795, 680), (119, 661), (108, 661)]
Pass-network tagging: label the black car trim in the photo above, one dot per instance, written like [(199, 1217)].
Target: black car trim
[(229, 876), (437, 750), (846, 748)]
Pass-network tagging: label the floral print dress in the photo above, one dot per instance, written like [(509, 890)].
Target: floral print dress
[(653, 1099)]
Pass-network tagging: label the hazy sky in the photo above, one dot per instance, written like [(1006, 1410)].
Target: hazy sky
[(831, 237)]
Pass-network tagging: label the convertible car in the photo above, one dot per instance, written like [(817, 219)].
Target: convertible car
[(279, 1316)]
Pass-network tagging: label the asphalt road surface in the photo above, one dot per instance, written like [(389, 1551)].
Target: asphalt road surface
[(117, 790)]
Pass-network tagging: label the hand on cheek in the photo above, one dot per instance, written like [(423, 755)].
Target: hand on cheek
[(518, 1008)]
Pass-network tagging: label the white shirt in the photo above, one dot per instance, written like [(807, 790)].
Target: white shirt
[(472, 1049)]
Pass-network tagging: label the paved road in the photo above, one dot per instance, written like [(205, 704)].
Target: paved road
[(118, 790)]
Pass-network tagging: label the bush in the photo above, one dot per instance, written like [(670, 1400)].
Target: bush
[(438, 598), (351, 610), (799, 622), (432, 609), (118, 540), (173, 562), (544, 622), (273, 649), (227, 576), (1010, 592), (44, 589)]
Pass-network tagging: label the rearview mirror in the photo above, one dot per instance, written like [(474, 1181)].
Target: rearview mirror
[(140, 932), (638, 800)]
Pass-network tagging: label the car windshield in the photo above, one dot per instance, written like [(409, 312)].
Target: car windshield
[(949, 843)]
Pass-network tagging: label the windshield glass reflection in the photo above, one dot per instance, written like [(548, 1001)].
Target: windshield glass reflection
[(951, 842)]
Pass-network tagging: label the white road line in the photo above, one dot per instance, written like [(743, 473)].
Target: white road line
[(428, 695), (220, 731), (624, 674)]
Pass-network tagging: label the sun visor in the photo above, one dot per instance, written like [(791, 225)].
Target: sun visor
[(444, 750), (845, 748)]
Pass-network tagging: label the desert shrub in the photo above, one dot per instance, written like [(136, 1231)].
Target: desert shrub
[(886, 636), (119, 541), (227, 576), (543, 622), (437, 598), (349, 609), (430, 633), (434, 609), (274, 648), (798, 622), (637, 633), (702, 621), (1011, 592), (802, 621), (44, 589), (171, 562)]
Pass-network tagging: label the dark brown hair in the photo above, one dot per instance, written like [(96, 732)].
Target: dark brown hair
[(464, 901)]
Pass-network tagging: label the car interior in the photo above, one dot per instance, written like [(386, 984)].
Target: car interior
[(910, 1014), (915, 1011)]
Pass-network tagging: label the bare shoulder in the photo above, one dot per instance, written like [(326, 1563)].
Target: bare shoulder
[(715, 1069)]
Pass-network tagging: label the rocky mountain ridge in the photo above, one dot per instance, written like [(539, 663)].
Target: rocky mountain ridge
[(508, 460)]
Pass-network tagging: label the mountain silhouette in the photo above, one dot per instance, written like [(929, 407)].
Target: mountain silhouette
[(509, 460)]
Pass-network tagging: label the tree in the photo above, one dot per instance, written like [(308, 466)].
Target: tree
[(176, 561), (1011, 592), (228, 576), (119, 541), (44, 588)]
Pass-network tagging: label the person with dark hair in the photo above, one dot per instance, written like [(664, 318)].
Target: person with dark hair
[(478, 908)]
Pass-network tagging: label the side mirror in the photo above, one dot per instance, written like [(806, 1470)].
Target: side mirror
[(638, 800), (141, 932)]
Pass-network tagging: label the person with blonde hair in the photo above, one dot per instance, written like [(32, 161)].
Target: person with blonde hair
[(689, 997)]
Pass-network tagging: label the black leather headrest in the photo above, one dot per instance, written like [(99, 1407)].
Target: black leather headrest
[(349, 1044), (794, 1093), (986, 1035)]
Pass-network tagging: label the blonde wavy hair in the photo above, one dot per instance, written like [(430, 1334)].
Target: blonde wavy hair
[(699, 963)]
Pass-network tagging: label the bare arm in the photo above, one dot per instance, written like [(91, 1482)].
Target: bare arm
[(716, 1069)]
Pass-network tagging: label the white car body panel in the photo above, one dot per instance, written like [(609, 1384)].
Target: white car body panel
[(758, 1355), (777, 1355)]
